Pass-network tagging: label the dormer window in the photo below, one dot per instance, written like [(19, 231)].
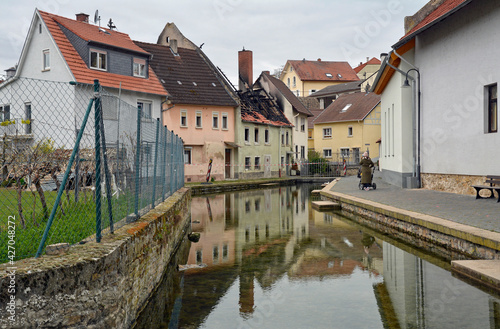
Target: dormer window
[(98, 59), (139, 68)]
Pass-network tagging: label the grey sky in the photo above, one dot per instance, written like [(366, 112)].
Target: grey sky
[(275, 30)]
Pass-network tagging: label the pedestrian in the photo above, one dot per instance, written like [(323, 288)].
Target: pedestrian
[(366, 171)]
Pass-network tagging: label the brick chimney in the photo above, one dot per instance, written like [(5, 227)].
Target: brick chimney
[(81, 17), (245, 69)]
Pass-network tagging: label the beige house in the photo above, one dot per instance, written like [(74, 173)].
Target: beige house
[(348, 127), (368, 72), (304, 78)]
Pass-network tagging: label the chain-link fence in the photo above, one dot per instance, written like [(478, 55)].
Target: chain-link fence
[(77, 162)]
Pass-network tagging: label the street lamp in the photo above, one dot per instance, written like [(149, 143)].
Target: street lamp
[(406, 84)]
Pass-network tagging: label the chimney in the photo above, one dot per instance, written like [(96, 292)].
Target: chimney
[(173, 46), (10, 72), (267, 72), (81, 17), (319, 59), (245, 68)]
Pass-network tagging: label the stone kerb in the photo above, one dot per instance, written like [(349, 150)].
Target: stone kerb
[(98, 285)]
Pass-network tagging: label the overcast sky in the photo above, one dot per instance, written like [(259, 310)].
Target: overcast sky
[(275, 30)]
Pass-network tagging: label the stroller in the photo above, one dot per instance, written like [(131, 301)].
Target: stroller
[(361, 185)]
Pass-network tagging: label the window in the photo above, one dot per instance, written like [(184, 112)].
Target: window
[(327, 132), (46, 60), (349, 131), (146, 108), (312, 91), (282, 138), (184, 118), (294, 81), (266, 136), (492, 109), (257, 163), (302, 124), (344, 152), (256, 136), (310, 134), (329, 75), (198, 119), (247, 135), (248, 165), (215, 254), (297, 92), (288, 82), (287, 143), (187, 155), (5, 113), (224, 121), (302, 152), (27, 118), (139, 69), (98, 60), (215, 120), (327, 153)]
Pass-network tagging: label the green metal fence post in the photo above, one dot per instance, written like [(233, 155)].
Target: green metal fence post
[(164, 167), (172, 163), (155, 162), (137, 160), (97, 126), (65, 179)]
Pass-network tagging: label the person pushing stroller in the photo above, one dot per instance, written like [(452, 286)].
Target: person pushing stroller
[(366, 172)]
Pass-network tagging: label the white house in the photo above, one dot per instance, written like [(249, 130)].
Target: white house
[(58, 51), (448, 140)]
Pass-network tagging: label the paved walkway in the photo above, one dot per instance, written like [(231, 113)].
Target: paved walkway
[(463, 209)]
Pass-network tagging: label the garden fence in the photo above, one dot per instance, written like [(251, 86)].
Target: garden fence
[(77, 162)]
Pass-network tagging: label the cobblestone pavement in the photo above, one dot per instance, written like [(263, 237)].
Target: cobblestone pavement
[(464, 209)]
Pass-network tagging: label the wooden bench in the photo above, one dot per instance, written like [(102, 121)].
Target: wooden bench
[(494, 182)]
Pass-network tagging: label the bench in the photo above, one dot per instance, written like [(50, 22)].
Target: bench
[(494, 182)]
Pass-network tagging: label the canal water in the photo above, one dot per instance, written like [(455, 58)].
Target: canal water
[(266, 259)]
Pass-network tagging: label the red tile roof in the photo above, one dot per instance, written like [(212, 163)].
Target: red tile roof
[(81, 72), (318, 70), (361, 104), (445, 8), (373, 61)]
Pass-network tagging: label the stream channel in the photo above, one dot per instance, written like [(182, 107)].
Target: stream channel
[(266, 259)]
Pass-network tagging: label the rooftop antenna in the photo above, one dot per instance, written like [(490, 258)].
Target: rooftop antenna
[(97, 17), (111, 25)]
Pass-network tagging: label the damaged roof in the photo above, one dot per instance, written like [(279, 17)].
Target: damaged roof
[(349, 107), (187, 76), (258, 107), (323, 70)]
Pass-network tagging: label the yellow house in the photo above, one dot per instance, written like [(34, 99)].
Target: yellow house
[(306, 77), (348, 127)]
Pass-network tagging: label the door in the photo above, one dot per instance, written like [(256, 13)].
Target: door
[(228, 163)]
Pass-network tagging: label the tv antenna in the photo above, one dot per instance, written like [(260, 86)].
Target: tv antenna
[(97, 17), (111, 25)]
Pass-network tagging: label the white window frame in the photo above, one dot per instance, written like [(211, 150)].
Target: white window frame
[(147, 108), (188, 151), (4, 116), (345, 152), (302, 124), (257, 165), (199, 118), (215, 120), (248, 163), (225, 121), (350, 131), (139, 67), (256, 135), (325, 133), (327, 153), (102, 65), (184, 115), (246, 135), (46, 60), (266, 137)]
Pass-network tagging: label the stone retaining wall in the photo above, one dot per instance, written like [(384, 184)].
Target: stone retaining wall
[(454, 241), (459, 184), (98, 285)]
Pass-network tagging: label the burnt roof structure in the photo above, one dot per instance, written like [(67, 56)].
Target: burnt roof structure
[(258, 107)]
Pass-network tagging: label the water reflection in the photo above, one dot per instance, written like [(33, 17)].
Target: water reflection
[(266, 259)]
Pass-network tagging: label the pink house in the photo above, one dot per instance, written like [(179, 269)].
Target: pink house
[(200, 108)]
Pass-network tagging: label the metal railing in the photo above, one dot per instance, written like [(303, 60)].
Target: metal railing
[(78, 174)]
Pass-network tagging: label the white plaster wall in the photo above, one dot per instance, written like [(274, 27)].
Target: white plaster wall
[(397, 143), (32, 65), (457, 59)]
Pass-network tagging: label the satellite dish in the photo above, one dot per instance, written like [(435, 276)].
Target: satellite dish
[(96, 17)]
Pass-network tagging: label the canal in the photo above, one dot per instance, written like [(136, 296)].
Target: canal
[(266, 259)]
